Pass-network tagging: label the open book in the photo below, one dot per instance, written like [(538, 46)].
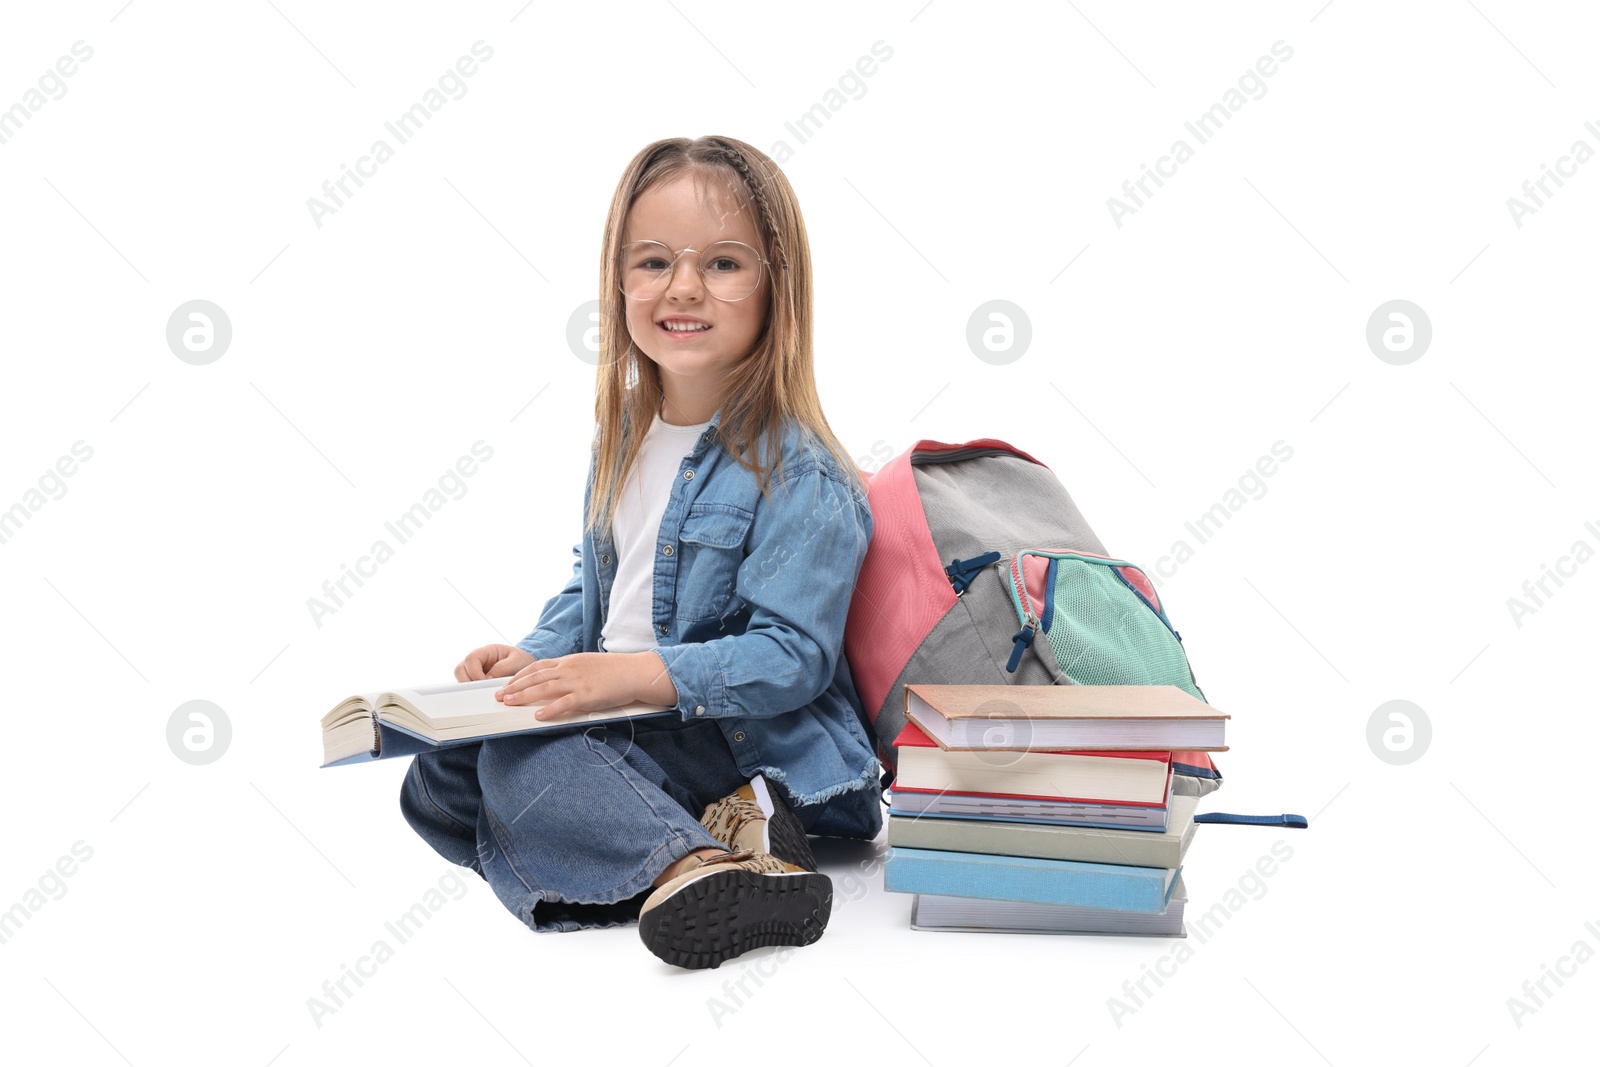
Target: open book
[(403, 722)]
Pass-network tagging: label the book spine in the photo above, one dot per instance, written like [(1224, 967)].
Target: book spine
[(958, 874), (1049, 843)]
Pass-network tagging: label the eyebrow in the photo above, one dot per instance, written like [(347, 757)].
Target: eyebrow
[(755, 243), (702, 244)]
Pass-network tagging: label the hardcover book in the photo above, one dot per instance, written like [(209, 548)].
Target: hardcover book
[(403, 722), (1044, 717), (931, 911), (1024, 878), (1089, 844), (1106, 777), (938, 804)]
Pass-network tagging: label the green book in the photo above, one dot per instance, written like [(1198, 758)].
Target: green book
[(1087, 844)]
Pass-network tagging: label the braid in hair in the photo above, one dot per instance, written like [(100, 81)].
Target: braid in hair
[(758, 191), (768, 222)]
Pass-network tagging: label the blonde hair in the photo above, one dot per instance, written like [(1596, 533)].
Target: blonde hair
[(774, 383)]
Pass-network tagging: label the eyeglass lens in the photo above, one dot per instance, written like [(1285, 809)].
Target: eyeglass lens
[(732, 269)]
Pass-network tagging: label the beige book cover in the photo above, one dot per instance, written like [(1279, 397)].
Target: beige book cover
[(1052, 717)]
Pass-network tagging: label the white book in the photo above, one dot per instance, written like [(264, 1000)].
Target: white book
[(405, 721)]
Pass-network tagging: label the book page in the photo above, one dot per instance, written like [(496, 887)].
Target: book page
[(347, 739), (349, 708), (468, 709)]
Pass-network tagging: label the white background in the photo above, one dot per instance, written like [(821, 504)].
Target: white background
[(1168, 354)]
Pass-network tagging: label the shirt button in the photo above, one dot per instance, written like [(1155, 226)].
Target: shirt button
[(666, 550), (700, 709), (739, 735), (688, 476), (605, 559), (662, 627)]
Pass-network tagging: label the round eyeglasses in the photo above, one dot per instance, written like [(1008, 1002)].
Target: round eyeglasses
[(731, 270)]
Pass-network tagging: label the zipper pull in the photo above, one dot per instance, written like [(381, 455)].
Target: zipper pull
[(962, 571), (1020, 640)]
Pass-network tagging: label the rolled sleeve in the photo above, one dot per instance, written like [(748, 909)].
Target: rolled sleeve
[(807, 545), (559, 631)]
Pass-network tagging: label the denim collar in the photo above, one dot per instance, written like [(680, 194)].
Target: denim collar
[(707, 435)]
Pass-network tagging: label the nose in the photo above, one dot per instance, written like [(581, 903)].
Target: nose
[(685, 280)]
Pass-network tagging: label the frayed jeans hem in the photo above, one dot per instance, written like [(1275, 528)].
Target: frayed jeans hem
[(615, 907)]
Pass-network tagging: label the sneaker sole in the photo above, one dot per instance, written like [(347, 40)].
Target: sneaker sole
[(786, 837), (728, 913)]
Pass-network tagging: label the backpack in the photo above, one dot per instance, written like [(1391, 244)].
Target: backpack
[(981, 570)]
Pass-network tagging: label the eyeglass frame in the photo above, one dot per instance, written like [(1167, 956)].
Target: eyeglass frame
[(672, 269)]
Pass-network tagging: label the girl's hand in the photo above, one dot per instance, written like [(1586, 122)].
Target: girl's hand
[(582, 682), (491, 661)]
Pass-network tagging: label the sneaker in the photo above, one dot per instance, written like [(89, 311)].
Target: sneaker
[(731, 903), (755, 816)]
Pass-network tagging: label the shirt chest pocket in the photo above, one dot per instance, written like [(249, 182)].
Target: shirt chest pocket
[(711, 546)]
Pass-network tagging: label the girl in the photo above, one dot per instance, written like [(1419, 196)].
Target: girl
[(723, 529)]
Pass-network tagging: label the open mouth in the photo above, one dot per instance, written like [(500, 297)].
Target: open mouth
[(683, 329)]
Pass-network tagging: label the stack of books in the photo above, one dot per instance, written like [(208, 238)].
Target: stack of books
[(1046, 809)]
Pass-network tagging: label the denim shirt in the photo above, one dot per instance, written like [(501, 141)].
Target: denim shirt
[(749, 603)]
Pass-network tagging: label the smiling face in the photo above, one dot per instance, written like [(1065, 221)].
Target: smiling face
[(692, 364)]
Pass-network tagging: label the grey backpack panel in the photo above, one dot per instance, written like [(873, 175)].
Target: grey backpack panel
[(967, 500)]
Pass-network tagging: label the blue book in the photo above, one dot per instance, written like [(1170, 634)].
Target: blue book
[(1040, 881)]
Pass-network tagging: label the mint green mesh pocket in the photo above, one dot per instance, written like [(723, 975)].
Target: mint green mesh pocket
[(1104, 633)]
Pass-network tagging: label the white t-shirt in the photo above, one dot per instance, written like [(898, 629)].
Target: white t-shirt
[(635, 531)]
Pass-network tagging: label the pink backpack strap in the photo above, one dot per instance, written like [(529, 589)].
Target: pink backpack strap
[(902, 590)]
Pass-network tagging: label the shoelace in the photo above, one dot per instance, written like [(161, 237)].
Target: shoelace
[(731, 814), (763, 862)]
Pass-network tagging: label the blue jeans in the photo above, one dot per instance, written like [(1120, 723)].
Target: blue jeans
[(570, 828)]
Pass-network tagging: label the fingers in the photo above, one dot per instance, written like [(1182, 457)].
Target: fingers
[(523, 686), (470, 670), (555, 709), (565, 706)]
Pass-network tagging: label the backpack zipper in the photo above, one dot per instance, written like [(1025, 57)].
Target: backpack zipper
[(1016, 577), (1022, 639)]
